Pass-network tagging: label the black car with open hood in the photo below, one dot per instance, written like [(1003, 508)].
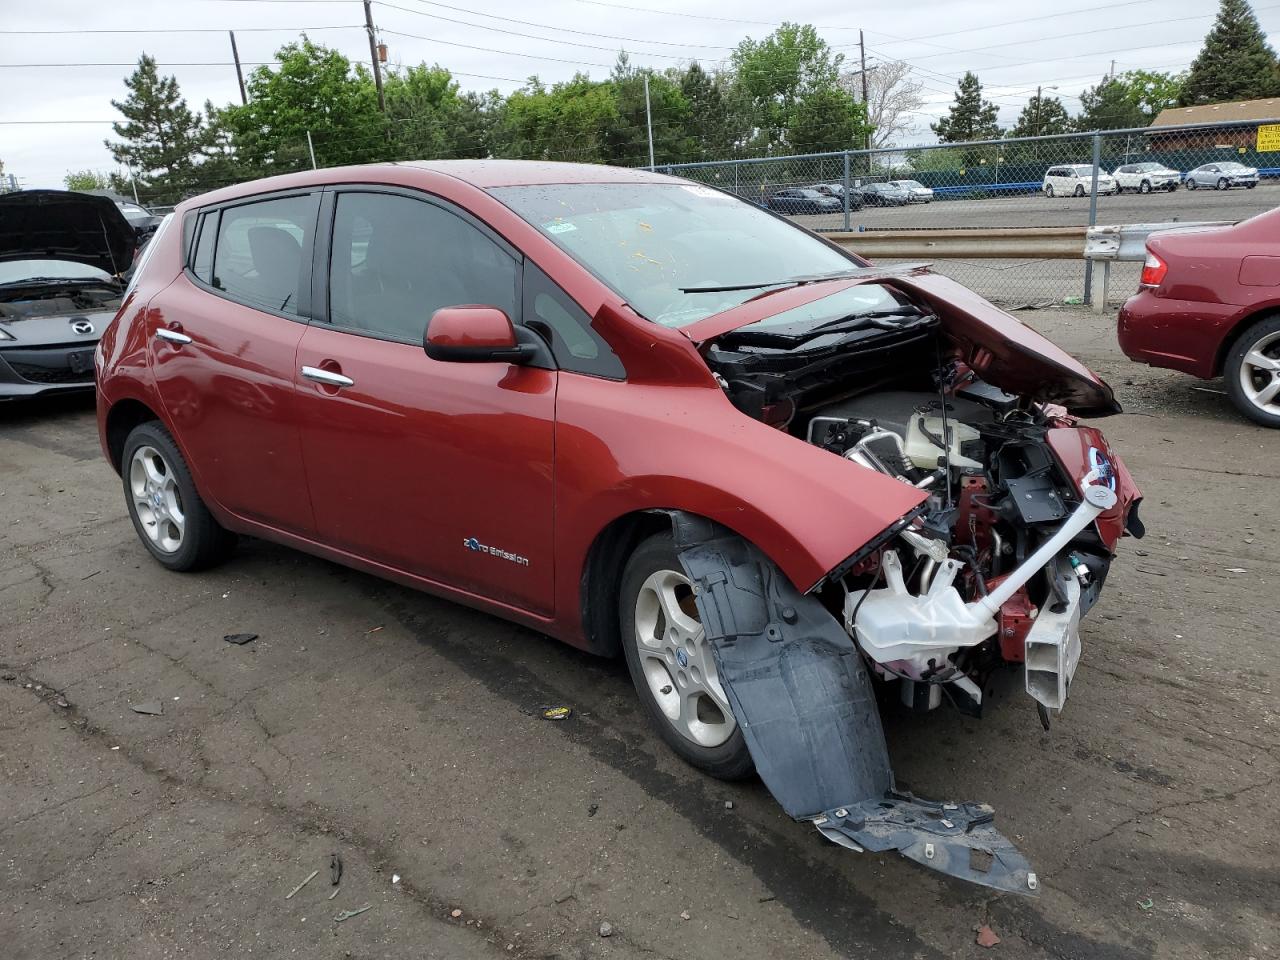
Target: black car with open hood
[(62, 255)]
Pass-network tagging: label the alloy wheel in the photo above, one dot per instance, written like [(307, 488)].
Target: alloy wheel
[(1145, 187), (1223, 184), (1260, 374), (677, 661), (157, 499)]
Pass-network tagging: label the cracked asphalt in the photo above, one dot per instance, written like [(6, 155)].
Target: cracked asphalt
[(404, 734)]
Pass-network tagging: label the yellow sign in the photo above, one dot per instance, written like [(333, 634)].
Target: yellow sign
[(1268, 137)]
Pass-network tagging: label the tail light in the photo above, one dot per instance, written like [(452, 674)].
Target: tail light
[(1153, 271)]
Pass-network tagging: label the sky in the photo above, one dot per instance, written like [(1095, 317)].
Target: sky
[(63, 61)]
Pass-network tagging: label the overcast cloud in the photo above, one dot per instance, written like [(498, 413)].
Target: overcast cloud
[(1010, 52)]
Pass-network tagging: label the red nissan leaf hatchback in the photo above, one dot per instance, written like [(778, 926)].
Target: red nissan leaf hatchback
[(644, 416)]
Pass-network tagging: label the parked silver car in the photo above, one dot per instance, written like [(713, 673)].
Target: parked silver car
[(917, 192), (1222, 176)]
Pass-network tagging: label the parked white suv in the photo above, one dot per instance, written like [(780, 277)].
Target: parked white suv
[(1145, 177), (1075, 180)]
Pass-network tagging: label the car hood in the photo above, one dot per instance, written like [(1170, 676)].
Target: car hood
[(65, 225), (50, 329), (1000, 348)]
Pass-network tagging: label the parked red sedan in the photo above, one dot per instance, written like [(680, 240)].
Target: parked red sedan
[(643, 416), (1209, 305)]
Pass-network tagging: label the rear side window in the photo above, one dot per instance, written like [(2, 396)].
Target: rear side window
[(202, 255), (262, 254)]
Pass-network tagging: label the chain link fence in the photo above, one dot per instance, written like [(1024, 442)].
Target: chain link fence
[(1148, 175)]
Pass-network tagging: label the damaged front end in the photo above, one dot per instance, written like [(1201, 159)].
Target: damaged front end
[(1021, 510)]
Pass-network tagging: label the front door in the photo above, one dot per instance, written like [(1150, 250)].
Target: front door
[(224, 338), (443, 470)]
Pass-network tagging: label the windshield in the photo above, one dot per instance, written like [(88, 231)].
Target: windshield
[(17, 271), (133, 213), (1230, 167), (649, 241)]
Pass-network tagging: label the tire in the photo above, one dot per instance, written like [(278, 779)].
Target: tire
[(653, 571), (1079, 190), (168, 515), (1224, 183), (1250, 186), (1246, 381), (1048, 190), (1144, 186), (1172, 188), (1191, 183)]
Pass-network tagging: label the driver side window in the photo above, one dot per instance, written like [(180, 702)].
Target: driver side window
[(397, 260)]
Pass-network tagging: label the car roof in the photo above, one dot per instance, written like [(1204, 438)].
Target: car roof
[(483, 174)]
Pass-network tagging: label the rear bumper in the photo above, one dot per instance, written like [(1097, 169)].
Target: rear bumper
[(38, 371), (1184, 335)]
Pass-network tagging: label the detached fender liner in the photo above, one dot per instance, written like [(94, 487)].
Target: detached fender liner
[(803, 698)]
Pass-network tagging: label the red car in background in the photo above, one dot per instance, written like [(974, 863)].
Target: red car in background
[(648, 418), (1209, 305)]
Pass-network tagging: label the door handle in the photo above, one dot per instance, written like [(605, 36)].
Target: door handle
[(173, 336), (327, 377)]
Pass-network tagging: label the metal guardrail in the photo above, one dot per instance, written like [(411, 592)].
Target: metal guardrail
[(1105, 245), (1000, 243), (1126, 243)]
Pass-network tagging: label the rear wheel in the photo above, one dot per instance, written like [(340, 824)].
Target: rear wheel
[(170, 518), (1252, 372), (672, 665), (1080, 190), (1048, 189), (1250, 186), (1144, 186)]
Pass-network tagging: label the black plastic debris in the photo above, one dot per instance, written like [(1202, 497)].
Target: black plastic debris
[(335, 869), (151, 708), (803, 699), (240, 639)]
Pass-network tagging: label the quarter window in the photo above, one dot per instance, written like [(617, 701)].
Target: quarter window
[(397, 260), (202, 256), (262, 254)]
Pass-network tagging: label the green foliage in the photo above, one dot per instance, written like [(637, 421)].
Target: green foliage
[(314, 89), (1109, 106), (1041, 117), (569, 121), (86, 180), (627, 137), (1235, 63), (776, 74), (160, 136), (827, 120), (970, 117), (1153, 91), (714, 122)]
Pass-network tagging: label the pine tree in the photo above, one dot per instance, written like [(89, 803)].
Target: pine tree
[(970, 117), (1236, 62), (1041, 117), (161, 137)]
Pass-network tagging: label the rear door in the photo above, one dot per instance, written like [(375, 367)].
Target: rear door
[(224, 337), (440, 469)]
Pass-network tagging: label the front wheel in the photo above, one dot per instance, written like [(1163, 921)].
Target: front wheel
[(1250, 186), (1252, 372), (1048, 190), (1191, 184), (1223, 183), (171, 520), (672, 665), (1080, 190), (1144, 187)]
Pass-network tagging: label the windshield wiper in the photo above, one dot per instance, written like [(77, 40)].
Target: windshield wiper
[(791, 282), (867, 319)]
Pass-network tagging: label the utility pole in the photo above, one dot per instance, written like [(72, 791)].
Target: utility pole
[(1037, 121), (866, 107), (1113, 70), (311, 149), (648, 117), (373, 54), (235, 55)]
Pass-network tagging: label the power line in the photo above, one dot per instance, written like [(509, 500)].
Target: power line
[(337, 26)]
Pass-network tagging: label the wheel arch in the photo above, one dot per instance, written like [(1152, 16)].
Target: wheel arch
[(122, 417), (1237, 331)]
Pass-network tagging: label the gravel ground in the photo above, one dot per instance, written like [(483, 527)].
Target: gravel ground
[(403, 733)]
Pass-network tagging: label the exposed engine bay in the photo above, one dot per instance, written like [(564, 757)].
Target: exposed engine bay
[(994, 569), (52, 298), (952, 595)]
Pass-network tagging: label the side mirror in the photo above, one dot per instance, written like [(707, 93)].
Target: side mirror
[(474, 334)]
